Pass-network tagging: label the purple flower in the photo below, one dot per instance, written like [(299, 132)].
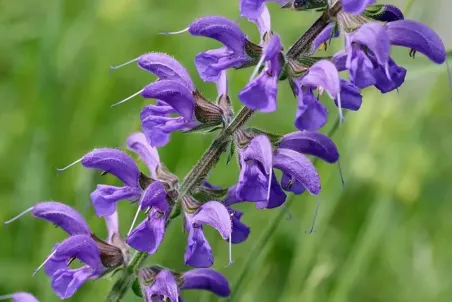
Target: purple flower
[(95, 254), (257, 181), (157, 283), (20, 297), (260, 93), (356, 7), (214, 214), (210, 63), (311, 114), (252, 9), (367, 56), (147, 236), (240, 231), (122, 166)]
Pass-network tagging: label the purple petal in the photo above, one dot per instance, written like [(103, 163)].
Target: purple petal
[(273, 48), (138, 143), (206, 279), (323, 74), (259, 149), (164, 285), (112, 223), (276, 198), (155, 196), (375, 36), (105, 197), (263, 21), (311, 114), (288, 183), (323, 37), (312, 143), (221, 29), (20, 297), (63, 216), (356, 7), (148, 236), (214, 214), (211, 63), (418, 36), (340, 60), (240, 231), (165, 67), (65, 282), (298, 166), (253, 184), (390, 13), (173, 93), (115, 162), (157, 129), (81, 247), (397, 74), (198, 252), (362, 70), (351, 97), (231, 197), (222, 84), (260, 94)]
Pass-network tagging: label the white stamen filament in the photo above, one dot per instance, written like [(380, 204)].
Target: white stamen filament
[(123, 64), (339, 105), (230, 249), (175, 32), (45, 261), (315, 216), (269, 184), (340, 173), (256, 69), (59, 170), (4, 297), (134, 220), (128, 98), (18, 216)]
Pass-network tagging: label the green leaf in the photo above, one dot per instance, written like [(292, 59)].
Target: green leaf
[(136, 288)]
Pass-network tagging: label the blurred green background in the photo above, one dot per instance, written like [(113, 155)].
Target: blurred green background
[(386, 236)]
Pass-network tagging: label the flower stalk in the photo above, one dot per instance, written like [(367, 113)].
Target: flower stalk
[(199, 172)]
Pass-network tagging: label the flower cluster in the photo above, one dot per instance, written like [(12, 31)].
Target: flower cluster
[(369, 32)]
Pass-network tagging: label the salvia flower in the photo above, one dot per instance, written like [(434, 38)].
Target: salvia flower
[(311, 113), (355, 7), (212, 213), (97, 255), (252, 9), (121, 165), (20, 297), (159, 283), (257, 181)]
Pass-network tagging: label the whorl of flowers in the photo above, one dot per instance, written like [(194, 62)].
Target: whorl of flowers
[(175, 104)]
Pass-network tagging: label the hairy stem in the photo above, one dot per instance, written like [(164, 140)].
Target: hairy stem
[(199, 172)]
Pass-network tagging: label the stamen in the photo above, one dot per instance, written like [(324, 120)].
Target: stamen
[(18, 216), (269, 184), (121, 65), (339, 105), (128, 98), (315, 216), (175, 32), (59, 170), (340, 173), (230, 250), (449, 75), (256, 69), (4, 297), (45, 261), (134, 220)]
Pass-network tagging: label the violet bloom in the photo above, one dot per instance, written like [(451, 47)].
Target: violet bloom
[(252, 9), (257, 181), (212, 213), (232, 55), (368, 52), (95, 254), (147, 236), (158, 283), (312, 114), (122, 166), (20, 297), (260, 93), (356, 7)]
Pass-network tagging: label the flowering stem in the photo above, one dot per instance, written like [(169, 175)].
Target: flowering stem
[(199, 172)]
